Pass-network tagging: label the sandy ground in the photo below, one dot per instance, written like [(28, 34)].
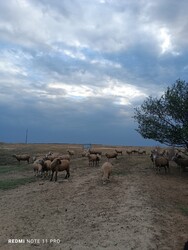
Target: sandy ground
[(137, 209)]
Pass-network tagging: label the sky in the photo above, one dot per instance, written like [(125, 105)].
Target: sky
[(74, 71)]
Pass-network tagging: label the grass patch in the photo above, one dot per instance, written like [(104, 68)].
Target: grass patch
[(183, 209), (8, 169), (120, 171), (14, 183)]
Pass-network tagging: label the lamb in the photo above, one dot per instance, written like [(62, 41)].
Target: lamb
[(180, 161), (118, 151), (24, 157), (60, 165), (106, 171), (112, 155)]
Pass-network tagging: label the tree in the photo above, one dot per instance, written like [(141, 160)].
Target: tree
[(165, 119)]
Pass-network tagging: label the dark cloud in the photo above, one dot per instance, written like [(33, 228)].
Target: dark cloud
[(73, 71)]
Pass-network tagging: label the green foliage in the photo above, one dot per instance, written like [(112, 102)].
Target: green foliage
[(165, 119)]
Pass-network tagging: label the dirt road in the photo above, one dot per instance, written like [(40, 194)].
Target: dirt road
[(136, 210)]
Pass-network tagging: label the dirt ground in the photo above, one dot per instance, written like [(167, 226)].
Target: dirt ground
[(138, 209)]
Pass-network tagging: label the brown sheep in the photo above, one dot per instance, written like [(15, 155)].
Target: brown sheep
[(106, 171), (60, 165), (64, 157), (24, 157), (93, 159), (118, 151), (47, 166), (112, 155), (129, 152), (180, 161), (70, 152), (160, 161), (93, 151), (51, 156), (38, 167)]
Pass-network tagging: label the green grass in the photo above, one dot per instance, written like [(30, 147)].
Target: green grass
[(183, 209), (8, 169), (14, 183)]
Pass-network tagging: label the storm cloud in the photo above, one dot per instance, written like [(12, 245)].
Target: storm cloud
[(73, 71)]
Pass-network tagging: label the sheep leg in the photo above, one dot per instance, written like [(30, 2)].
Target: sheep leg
[(52, 176), (165, 169), (67, 175), (55, 175)]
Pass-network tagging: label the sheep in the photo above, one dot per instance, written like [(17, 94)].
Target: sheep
[(94, 159), (134, 151), (84, 153), (112, 155), (118, 151), (51, 156), (38, 166), (180, 161), (160, 161), (60, 165), (92, 151), (142, 152), (129, 152), (24, 157), (47, 166), (106, 171), (70, 152), (64, 157)]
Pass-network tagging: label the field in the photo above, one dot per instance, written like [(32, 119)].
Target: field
[(138, 209)]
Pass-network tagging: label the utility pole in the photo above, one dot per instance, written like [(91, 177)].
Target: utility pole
[(26, 136)]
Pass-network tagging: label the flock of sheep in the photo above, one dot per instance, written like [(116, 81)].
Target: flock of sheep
[(54, 162), (162, 159)]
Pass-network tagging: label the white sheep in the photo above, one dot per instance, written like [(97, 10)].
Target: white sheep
[(106, 171)]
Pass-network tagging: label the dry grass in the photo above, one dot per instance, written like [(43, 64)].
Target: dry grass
[(137, 209)]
